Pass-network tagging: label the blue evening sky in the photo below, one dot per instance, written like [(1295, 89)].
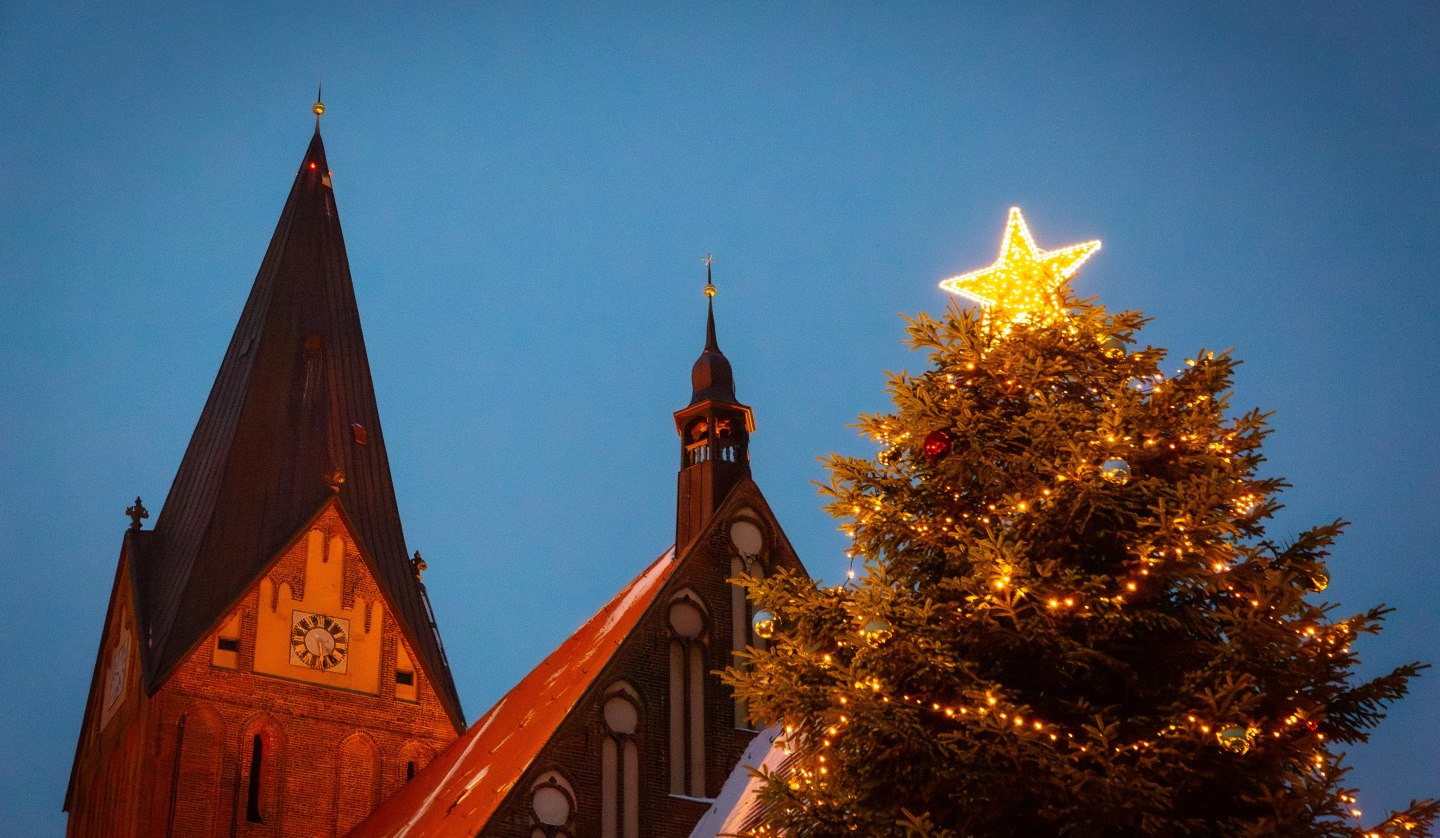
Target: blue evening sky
[(527, 192)]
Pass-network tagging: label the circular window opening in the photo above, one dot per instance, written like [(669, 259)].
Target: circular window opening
[(747, 538), (620, 716), (686, 619), (552, 806)]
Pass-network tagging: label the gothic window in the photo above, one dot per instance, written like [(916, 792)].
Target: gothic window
[(260, 770), (359, 771), (749, 543), (687, 696), (252, 796), (620, 765), (200, 738), (552, 807), (414, 756)]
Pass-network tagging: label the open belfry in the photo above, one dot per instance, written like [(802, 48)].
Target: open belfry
[(270, 664)]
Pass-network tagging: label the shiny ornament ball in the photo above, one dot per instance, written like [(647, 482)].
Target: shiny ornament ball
[(937, 444), (876, 632), (1236, 739), (1115, 470), (764, 624)]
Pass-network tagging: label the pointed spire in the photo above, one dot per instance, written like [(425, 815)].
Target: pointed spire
[(319, 106), (711, 377), (714, 432), (290, 425), (710, 344)]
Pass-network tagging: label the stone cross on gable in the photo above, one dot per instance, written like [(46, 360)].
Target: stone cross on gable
[(137, 513)]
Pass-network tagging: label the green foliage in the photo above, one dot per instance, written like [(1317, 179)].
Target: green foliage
[(1071, 634)]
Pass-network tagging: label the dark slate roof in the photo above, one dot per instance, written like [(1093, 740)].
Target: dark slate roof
[(289, 409)]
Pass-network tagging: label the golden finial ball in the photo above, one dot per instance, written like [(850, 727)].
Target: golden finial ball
[(709, 289), (319, 108)]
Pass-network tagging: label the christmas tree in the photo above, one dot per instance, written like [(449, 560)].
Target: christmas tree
[(1070, 620)]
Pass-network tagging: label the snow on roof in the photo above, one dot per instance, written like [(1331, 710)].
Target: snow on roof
[(461, 789), (736, 807)]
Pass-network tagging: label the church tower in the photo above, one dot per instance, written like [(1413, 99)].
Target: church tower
[(270, 664), (714, 432), (627, 730)]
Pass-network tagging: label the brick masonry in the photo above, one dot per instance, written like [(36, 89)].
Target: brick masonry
[(177, 762)]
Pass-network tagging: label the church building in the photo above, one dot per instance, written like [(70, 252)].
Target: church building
[(270, 665)]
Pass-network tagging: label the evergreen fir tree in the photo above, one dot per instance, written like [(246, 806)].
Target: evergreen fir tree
[(1071, 620)]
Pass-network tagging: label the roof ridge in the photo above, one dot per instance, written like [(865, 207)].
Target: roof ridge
[(290, 422), (432, 802)]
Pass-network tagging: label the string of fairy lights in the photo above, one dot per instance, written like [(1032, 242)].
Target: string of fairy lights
[(1024, 286)]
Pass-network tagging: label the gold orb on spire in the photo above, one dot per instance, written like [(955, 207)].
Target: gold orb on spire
[(709, 284), (319, 108)]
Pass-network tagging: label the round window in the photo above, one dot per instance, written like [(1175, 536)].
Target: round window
[(747, 538), (552, 806), (620, 715), (686, 619)]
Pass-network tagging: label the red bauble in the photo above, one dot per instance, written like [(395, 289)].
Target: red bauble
[(937, 444)]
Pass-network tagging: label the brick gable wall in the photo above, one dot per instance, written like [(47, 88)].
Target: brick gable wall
[(177, 762), (643, 664)]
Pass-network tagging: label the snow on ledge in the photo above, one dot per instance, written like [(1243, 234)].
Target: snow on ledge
[(738, 796)]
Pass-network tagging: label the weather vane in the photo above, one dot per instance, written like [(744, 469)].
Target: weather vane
[(709, 284)]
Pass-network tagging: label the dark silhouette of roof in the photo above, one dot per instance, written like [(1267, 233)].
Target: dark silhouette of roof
[(290, 423)]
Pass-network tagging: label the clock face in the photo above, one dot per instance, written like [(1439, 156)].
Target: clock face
[(318, 641)]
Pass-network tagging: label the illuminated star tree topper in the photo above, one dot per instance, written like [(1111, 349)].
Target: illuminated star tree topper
[(1024, 283)]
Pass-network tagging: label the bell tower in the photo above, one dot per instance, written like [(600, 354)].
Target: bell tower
[(270, 637), (714, 433)]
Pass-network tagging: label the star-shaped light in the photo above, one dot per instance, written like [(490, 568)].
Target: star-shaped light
[(1025, 281)]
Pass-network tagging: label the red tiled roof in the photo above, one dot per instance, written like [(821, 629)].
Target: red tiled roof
[(292, 405), (461, 790)]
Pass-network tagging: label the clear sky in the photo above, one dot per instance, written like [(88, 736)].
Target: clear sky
[(527, 192)]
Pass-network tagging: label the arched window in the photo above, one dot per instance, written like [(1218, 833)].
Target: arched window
[(261, 754), (414, 756), (687, 695), (620, 764), (200, 740), (697, 442), (552, 807), (359, 776), (748, 542), (252, 795)]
